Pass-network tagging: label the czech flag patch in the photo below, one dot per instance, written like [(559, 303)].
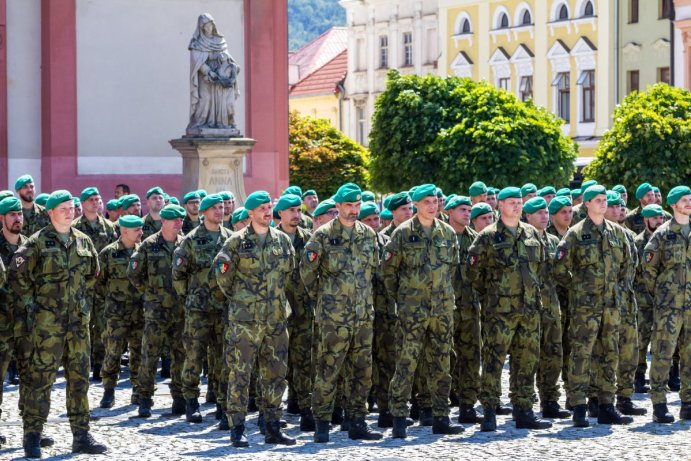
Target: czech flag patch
[(311, 256)]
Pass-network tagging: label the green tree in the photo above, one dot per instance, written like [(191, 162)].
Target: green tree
[(322, 157), (650, 141), (307, 19), (454, 131)]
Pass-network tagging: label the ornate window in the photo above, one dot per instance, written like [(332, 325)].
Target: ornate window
[(526, 20), (562, 82), (562, 13), (588, 10), (525, 88), (465, 28), (407, 49), (503, 21), (383, 51), (587, 83)]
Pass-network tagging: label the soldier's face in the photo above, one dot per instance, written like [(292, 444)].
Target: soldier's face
[(460, 215), (403, 213), (511, 208), (311, 201), (427, 207), (648, 198), (527, 197), (135, 209), (597, 205), (27, 192), (214, 214), (625, 197), (372, 221), (78, 211), (348, 211), (241, 225), (683, 206), (548, 198), (131, 235), (654, 222), (228, 207), (119, 192), (578, 200), (539, 219), (658, 198), (13, 221), (192, 207), (92, 204), (171, 225), (563, 217), (262, 215), (155, 202), (483, 221), (622, 214), (62, 215), (113, 215), (492, 201), (291, 216), (479, 198), (613, 212)]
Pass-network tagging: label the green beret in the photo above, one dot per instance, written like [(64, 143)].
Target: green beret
[(528, 188), (173, 212), (386, 214), (479, 209), (8, 193), (397, 200), (41, 198), (412, 189), (592, 191), (534, 204), (174, 201), (287, 201), (492, 191), (477, 188), (154, 190), (652, 210), (349, 192), (112, 205), (440, 193), (23, 181), (166, 197), (226, 195), (677, 193), (643, 189), (564, 192), (457, 201), (275, 215), (256, 198), (587, 184), (129, 200), (323, 207), (209, 201), (293, 190), (510, 192), (547, 190), (76, 201), (425, 190), (368, 196), (558, 202), (368, 208), (57, 197), (88, 192), (202, 193), (656, 189), (193, 195), (619, 188), (240, 214), (613, 198), (386, 202), (130, 221), (575, 193), (309, 192), (10, 204), (449, 197)]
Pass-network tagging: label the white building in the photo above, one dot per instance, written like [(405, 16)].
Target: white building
[(383, 35)]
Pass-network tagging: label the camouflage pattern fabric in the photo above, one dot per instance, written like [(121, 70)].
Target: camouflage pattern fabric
[(188, 224), (644, 300), (35, 219), (150, 227)]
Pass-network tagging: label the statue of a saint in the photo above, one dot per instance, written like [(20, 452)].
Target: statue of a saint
[(213, 82)]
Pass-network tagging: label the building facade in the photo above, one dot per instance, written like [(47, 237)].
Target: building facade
[(681, 72)]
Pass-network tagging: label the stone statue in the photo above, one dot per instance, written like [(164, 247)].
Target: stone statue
[(213, 83)]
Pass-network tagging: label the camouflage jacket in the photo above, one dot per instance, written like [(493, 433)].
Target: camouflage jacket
[(506, 270), (7, 305), (643, 296), (634, 219), (419, 270), (667, 265), (383, 302), (548, 293), (188, 224), (47, 274), (630, 299), (150, 273), (295, 289), (254, 277), (121, 297), (388, 230), (580, 212), (467, 299), (337, 269), (305, 222), (150, 227), (35, 219), (592, 264), (192, 262), (101, 235)]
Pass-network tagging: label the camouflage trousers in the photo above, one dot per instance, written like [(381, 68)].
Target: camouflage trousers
[(301, 356), (670, 326), (22, 350), (424, 341), (465, 359), (57, 335), (96, 329), (384, 352), (6, 344), (123, 329), (628, 352), (551, 355), (593, 332), (157, 329), (341, 346), (517, 335), (266, 345), (563, 296), (204, 330), (645, 333)]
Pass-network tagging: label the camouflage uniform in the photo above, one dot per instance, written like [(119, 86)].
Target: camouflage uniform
[(634, 219), (188, 224), (644, 300), (253, 276), (505, 271), (35, 219), (123, 315), (150, 227), (150, 273), (204, 321), (591, 261), (580, 212), (666, 269), (51, 280), (628, 332), (337, 269)]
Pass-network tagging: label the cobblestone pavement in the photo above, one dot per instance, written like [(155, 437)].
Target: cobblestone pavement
[(164, 437)]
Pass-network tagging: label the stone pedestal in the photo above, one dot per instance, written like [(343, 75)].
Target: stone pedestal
[(213, 164)]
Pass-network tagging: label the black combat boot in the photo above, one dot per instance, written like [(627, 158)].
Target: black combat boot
[(252, 405), (46, 441), (526, 419), (385, 419), (275, 436), (145, 407), (13, 377), (674, 382), (218, 414), (345, 424), (292, 407), (83, 442), (165, 368), (223, 423), (108, 399), (626, 406), (551, 409), (489, 422), (661, 414), (359, 430), (261, 423), (307, 423), (134, 398), (442, 425), (179, 406), (468, 415), (453, 400), (685, 410), (321, 433), (610, 415), (580, 418), (192, 413), (593, 407), (96, 376), (372, 405), (210, 393), (32, 445), (337, 415), (639, 386), (414, 410), (399, 427), (503, 409), (238, 437), (426, 417)]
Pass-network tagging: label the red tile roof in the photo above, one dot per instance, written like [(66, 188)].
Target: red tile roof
[(324, 80), (319, 51)]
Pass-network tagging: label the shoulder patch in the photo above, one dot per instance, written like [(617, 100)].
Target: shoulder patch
[(472, 259), (134, 264), (388, 255), (223, 267), (18, 261), (178, 261), (561, 254), (649, 256), (311, 256)]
